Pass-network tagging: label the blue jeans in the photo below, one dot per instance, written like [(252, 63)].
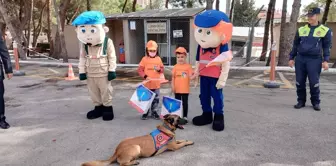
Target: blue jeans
[(208, 90), (308, 66)]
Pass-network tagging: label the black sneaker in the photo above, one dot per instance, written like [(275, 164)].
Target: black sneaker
[(299, 105), (144, 116), (155, 115), (317, 107), (4, 124)]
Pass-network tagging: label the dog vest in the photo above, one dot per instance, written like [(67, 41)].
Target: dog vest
[(160, 139)]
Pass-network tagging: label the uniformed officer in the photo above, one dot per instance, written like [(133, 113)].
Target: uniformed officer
[(7, 65), (311, 51)]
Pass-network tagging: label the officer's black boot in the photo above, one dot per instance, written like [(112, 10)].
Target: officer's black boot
[(3, 123), (317, 107), (299, 105)]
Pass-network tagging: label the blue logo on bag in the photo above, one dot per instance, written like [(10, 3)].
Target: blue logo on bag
[(171, 105), (143, 93)]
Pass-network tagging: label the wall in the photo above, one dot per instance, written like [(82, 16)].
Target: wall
[(71, 41), (134, 42), (115, 33), (193, 44)]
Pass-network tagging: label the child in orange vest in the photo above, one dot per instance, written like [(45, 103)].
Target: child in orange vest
[(151, 67), (181, 74)]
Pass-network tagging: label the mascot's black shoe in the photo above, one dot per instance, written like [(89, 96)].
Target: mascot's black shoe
[(95, 113), (218, 123), (108, 113), (204, 119)]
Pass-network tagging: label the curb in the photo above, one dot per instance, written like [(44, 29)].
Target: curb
[(255, 68)]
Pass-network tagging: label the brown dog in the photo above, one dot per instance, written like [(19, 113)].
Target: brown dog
[(158, 141)]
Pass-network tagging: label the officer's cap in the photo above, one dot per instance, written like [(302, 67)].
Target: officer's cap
[(313, 11), (90, 18), (210, 18)]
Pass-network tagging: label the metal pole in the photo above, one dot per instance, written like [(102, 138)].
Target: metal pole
[(272, 83), (17, 71)]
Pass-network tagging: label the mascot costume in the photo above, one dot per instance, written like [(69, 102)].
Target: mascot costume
[(97, 62), (212, 32)]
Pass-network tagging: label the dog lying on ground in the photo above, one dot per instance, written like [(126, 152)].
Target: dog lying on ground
[(158, 141)]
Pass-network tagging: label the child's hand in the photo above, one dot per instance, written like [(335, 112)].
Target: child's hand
[(192, 77), (157, 69)]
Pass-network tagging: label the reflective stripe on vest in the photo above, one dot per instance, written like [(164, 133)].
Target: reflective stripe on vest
[(320, 31)]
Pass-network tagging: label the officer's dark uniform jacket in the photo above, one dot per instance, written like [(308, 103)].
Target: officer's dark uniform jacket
[(5, 59), (312, 41), (310, 44)]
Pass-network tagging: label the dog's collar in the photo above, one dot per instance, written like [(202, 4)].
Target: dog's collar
[(167, 127)]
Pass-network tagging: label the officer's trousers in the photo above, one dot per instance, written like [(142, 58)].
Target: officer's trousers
[(208, 90), (100, 90), (2, 101), (311, 67)]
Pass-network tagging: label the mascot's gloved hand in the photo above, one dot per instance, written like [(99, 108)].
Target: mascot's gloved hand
[(224, 75), (82, 76), (111, 75)]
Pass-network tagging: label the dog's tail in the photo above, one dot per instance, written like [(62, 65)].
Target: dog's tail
[(101, 162)]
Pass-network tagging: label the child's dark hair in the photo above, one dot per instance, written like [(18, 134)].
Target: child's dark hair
[(157, 53)]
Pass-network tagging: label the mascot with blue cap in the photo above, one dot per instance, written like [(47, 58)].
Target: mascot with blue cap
[(212, 32), (97, 62)]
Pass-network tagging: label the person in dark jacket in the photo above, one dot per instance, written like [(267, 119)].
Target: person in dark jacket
[(311, 51), (7, 65)]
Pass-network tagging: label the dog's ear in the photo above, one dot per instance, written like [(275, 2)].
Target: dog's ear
[(166, 116)]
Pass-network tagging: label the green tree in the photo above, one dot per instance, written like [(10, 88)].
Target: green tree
[(321, 4), (243, 12), (186, 3)]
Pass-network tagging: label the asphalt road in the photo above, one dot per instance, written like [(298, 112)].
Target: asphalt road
[(49, 127)]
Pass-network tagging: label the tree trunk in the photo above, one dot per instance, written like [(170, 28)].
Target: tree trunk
[(29, 25), (150, 4), (134, 5), (51, 43), (88, 5), (60, 46), (166, 4), (217, 4), (231, 10), (286, 39), (124, 7), (13, 24), (38, 28), (209, 4), (272, 36), (266, 30), (326, 12)]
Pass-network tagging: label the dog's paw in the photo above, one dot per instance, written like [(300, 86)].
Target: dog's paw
[(136, 163), (189, 142)]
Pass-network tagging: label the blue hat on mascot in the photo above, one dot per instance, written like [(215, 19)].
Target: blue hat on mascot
[(210, 18), (89, 18)]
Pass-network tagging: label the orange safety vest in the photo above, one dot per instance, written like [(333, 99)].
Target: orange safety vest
[(205, 58)]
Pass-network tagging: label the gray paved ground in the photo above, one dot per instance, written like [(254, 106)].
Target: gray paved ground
[(49, 127)]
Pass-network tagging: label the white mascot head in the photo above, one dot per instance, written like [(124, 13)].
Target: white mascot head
[(90, 27), (212, 28)]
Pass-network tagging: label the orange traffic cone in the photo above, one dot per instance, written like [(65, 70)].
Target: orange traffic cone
[(163, 79), (71, 75)]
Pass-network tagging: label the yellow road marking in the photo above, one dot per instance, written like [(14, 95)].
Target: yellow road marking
[(246, 80), (284, 80)]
